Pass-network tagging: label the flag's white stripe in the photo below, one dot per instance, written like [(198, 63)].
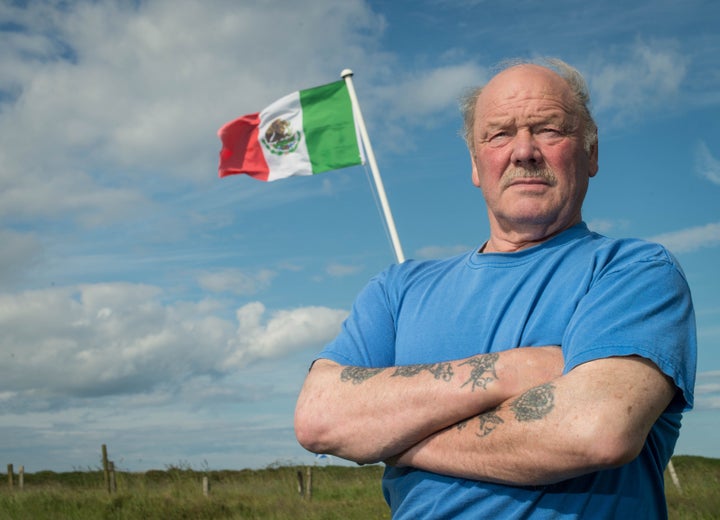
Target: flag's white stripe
[(297, 162)]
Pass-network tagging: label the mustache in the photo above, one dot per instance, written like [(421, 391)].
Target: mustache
[(545, 174)]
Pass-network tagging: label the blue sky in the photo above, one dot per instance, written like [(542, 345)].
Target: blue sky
[(148, 305)]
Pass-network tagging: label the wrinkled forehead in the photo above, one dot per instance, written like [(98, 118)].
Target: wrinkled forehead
[(522, 85)]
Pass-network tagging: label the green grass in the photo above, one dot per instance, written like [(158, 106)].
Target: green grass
[(699, 496), (338, 492), (272, 493)]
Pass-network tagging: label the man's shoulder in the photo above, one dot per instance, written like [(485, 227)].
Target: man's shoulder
[(630, 250)]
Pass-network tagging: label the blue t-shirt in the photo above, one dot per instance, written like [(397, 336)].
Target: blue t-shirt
[(596, 297)]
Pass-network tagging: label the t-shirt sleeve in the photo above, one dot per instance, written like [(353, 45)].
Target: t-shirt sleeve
[(367, 336), (641, 308)]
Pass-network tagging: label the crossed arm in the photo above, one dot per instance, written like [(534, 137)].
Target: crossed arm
[(508, 417)]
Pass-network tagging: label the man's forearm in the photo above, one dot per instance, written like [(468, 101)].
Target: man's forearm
[(597, 416), (370, 414), (500, 445)]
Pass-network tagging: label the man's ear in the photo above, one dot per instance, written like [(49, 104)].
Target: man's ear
[(475, 176), (593, 165)]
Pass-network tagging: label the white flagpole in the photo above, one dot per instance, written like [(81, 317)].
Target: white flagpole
[(347, 76)]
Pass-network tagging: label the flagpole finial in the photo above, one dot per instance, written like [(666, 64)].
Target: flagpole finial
[(345, 73)]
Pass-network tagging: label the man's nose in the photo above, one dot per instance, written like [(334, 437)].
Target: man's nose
[(525, 151)]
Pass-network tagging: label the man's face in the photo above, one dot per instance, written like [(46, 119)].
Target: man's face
[(529, 160)]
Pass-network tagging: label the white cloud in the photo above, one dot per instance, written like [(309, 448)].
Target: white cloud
[(104, 93), (236, 281), (690, 239), (41, 194), (109, 339), (19, 251), (648, 75), (603, 226), (339, 270), (430, 91), (112, 99), (282, 332), (706, 164), (707, 390)]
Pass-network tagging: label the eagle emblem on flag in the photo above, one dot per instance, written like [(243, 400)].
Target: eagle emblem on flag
[(280, 138)]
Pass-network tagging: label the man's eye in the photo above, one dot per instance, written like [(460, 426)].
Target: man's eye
[(551, 131)]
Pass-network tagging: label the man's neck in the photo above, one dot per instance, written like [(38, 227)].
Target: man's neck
[(513, 240)]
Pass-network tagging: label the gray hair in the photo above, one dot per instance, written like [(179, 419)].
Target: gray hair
[(571, 75)]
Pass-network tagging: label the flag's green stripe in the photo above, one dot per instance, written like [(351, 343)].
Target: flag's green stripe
[(329, 127)]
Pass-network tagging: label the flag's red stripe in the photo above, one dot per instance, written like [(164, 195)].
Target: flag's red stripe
[(241, 151)]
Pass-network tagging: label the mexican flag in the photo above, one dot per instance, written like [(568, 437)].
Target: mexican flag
[(304, 133)]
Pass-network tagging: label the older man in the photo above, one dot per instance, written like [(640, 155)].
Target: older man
[(542, 375)]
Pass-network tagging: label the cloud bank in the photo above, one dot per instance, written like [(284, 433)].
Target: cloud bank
[(118, 338), (690, 239)]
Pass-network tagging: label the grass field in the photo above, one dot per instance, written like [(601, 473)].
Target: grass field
[(272, 493)]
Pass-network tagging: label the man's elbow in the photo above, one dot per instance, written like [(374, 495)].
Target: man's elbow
[(322, 439), (610, 449), (310, 431), (313, 419)]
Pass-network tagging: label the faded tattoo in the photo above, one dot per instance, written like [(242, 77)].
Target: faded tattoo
[(534, 404), (483, 371), (357, 375), (442, 371), (487, 422)]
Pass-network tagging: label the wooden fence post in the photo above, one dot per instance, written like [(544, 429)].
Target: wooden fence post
[(308, 484), (113, 482), (206, 486), (10, 475), (106, 472), (21, 477), (674, 476), (301, 484)]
